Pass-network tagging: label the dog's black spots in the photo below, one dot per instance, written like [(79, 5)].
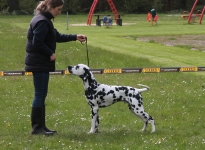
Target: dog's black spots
[(102, 106), (101, 98), (133, 106), (110, 92), (99, 103), (94, 92), (139, 105), (77, 67), (89, 96), (125, 89), (137, 96), (91, 104), (93, 114), (150, 118), (101, 93), (130, 95), (93, 86), (95, 96), (116, 100), (116, 89)]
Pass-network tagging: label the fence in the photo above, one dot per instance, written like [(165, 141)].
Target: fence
[(113, 71)]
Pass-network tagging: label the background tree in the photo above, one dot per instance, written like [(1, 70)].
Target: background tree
[(72, 6), (13, 5), (27, 7), (126, 6), (158, 5), (3, 4)]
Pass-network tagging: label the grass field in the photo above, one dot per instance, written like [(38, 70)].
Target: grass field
[(175, 100)]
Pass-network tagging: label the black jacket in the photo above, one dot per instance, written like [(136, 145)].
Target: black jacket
[(41, 43)]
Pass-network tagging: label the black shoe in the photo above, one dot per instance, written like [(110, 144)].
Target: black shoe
[(48, 130), (41, 131), (36, 122), (43, 121)]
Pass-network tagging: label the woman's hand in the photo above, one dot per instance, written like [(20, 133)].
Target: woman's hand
[(53, 57), (81, 37)]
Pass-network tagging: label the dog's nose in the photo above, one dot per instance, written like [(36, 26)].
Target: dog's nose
[(69, 69)]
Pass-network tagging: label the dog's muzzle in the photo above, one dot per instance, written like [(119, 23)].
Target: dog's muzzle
[(70, 69)]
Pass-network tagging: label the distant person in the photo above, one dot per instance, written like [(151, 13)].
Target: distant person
[(40, 57), (105, 20), (153, 13), (110, 21)]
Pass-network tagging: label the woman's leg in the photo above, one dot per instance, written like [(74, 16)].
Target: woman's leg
[(40, 81)]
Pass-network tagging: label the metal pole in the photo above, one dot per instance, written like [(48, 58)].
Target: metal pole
[(67, 20)]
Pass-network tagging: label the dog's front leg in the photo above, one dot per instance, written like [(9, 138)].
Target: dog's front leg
[(94, 124)]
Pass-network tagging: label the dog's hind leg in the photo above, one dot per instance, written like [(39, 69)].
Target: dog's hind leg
[(152, 122), (145, 118), (145, 126)]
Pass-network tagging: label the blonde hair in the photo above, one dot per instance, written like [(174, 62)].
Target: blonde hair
[(45, 5)]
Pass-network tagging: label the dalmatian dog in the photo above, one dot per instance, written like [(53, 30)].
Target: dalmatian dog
[(101, 95)]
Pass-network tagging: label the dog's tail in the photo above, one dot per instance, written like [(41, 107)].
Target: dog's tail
[(144, 89)]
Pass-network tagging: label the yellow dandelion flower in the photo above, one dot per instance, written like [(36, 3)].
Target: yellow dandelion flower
[(8, 124)]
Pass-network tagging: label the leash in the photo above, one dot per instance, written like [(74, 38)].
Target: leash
[(86, 45)]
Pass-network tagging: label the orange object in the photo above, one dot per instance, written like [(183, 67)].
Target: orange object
[(192, 17), (192, 10), (112, 7), (90, 15), (149, 17)]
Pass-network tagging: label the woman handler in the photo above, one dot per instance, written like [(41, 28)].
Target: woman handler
[(40, 57)]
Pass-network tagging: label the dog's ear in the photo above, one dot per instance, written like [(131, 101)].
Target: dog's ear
[(86, 75)]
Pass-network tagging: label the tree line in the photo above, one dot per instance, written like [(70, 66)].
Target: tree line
[(83, 6)]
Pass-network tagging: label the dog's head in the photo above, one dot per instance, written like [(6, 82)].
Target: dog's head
[(81, 70)]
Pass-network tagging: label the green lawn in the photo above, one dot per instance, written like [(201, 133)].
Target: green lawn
[(175, 100)]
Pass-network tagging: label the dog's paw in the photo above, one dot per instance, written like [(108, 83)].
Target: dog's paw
[(142, 130), (95, 131), (90, 132), (153, 131)]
